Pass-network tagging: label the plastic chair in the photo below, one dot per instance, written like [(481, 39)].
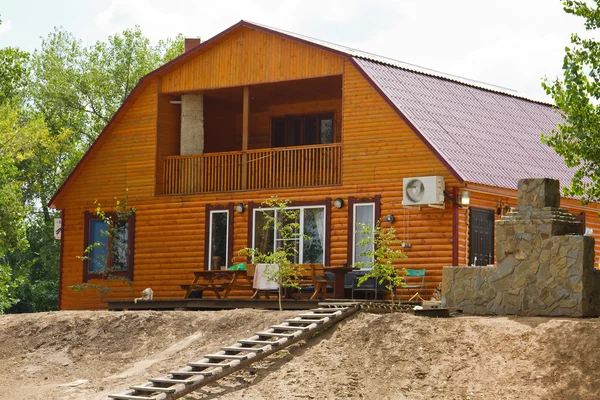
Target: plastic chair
[(412, 280)]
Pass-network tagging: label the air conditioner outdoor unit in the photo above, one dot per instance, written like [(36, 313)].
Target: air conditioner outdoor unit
[(424, 190)]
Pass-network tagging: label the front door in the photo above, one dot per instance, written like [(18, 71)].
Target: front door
[(481, 237)]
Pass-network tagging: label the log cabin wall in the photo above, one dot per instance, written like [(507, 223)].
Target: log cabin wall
[(379, 149), (260, 120), (169, 125), (221, 132), (246, 57)]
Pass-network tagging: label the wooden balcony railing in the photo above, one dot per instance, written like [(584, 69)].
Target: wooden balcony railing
[(290, 167)]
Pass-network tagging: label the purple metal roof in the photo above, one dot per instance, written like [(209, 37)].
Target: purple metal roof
[(487, 137), (485, 134)]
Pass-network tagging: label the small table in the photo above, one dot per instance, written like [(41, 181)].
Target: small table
[(217, 281), (339, 274)]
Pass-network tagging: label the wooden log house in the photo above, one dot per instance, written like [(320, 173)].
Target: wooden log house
[(255, 112)]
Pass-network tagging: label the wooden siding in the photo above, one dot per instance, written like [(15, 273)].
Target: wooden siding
[(170, 230), (247, 56), (379, 149), (168, 128), (260, 120)]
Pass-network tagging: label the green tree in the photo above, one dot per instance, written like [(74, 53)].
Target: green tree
[(53, 104), (14, 70), (81, 88), (577, 95), (28, 154), (379, 242), (286, 223)]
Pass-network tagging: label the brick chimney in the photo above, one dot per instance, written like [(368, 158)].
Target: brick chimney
[(190, 43)]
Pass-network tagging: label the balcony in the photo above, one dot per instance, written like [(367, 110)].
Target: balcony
[(273, 168)]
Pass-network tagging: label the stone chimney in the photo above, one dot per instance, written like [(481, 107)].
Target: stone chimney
[(545, 267), (190, 43)]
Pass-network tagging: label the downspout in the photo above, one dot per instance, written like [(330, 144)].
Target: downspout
[(454, 227), (61, 258)]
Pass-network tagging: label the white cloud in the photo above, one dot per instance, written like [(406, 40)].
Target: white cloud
[(5, 27)]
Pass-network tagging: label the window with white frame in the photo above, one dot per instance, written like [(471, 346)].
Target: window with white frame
[(364, 214), (311, 220), (218, 239)]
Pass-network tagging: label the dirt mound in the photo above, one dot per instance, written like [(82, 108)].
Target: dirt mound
[(369, 356)]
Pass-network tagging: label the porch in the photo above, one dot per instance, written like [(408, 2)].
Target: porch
[(265, 136), (291, 167)]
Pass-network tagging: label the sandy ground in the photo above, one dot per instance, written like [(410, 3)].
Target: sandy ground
[(368, 356)]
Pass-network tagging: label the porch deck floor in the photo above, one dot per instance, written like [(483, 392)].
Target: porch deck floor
[(212, 304)]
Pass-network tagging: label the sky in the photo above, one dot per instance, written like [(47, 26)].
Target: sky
[(508, 43)]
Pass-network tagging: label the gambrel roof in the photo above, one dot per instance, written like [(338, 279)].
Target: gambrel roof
[(483, 134)]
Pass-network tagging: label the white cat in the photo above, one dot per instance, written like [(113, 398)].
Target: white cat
[(146, 295)]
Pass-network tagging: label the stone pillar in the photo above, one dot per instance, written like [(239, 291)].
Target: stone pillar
[(192, 124)]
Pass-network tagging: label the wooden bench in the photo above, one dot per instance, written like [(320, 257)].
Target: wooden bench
[(313, 276)]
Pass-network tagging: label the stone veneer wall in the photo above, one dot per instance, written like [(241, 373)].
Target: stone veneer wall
[(544, 267), (192, 124)]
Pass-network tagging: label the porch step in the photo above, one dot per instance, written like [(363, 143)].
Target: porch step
[(304, 321), (289, 328), (225, 357), (191, 373), (263, 342), (328, 309), (240, 349), (208, 365), (170, 381), (320, 315), (273, 334), (152, 389), (302, 327)]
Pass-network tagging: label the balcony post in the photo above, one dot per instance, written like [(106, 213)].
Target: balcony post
[(245, 119)]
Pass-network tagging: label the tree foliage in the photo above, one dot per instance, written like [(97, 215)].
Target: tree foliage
[(380, 242), (286, 222), (81, 87), (53, 104), (577, 95)]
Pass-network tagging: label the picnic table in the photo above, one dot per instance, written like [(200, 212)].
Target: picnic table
[(339, 276), (219, 281)]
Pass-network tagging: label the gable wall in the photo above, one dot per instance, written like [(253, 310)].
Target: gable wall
[(379, 150), (247, 56)]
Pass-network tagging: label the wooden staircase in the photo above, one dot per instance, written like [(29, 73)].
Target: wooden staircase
[(239, 355)]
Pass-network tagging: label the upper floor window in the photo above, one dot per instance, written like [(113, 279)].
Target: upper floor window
[(302, 130)]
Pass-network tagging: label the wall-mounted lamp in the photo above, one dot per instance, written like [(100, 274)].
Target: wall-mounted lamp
[(464, 198), (240, 207), (389, 218), (503, 207), (338, 203)]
